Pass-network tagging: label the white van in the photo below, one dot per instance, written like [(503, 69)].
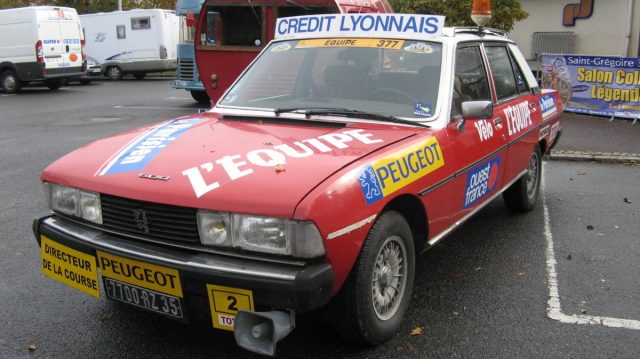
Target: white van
[(134, 41), (39, 44)]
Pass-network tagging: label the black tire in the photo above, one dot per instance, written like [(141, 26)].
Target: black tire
[(9, 82), (54, 84), (383, 272), (202, 97), (523, 194), (114, 73), (139, 75)]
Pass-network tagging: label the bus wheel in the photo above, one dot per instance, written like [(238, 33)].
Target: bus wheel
[(10, 82), (114, 73), (201, 97)]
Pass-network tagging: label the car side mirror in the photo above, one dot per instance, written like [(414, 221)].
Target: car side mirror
[(477, 109)]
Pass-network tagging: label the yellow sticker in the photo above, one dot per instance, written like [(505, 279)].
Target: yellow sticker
[(146, 275), (69, 266), (340, 42), (225, 302)]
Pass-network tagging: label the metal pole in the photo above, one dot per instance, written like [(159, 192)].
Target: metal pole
[(119, 5)]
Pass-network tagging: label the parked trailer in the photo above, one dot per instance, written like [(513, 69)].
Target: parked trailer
[(40, 44), (132, 42)]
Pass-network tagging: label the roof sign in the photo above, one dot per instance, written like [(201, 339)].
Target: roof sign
[(373, 25)]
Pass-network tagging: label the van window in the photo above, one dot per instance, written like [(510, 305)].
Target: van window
[(234, 26), (140, 23), (121, 32)]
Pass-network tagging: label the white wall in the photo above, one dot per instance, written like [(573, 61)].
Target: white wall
[(604, 33)]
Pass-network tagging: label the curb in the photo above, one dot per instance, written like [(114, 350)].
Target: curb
[(605, 157)]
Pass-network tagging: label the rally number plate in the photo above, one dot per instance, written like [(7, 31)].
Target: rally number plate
[(144, 298)]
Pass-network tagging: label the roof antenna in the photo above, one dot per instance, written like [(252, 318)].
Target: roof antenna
[(481, 13)]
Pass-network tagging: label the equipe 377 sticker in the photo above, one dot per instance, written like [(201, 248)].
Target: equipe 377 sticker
[(391, 173)]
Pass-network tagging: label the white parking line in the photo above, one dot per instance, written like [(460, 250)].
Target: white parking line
[(173, 98), (150, 108), (554, 310)]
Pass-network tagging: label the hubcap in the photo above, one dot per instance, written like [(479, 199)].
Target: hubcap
[(532, 175), (9, 83), (389, 278)]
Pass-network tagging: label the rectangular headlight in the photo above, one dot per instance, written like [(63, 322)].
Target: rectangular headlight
[(260, 234), (74, 202)]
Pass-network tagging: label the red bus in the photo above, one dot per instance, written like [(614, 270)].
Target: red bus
[(230, 33)]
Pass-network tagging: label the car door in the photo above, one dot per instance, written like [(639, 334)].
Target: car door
[(517, 107), (480, 144)]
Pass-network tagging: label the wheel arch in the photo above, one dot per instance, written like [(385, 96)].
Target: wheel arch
[(413, 210), (543, 146)]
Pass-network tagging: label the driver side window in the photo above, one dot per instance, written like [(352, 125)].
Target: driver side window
[(470, 79)]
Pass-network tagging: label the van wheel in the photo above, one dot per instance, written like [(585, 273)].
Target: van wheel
[(54, 84), (373, 300), (201, 97), (523, 194), (10, 82), (139, 75), (114, 73)]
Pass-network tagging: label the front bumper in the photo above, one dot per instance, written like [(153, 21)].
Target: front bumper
[(274, 285)]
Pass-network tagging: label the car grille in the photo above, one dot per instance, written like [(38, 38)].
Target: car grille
[(149, 220), (186, 70)]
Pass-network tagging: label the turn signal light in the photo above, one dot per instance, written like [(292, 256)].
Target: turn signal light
[(481, 12)]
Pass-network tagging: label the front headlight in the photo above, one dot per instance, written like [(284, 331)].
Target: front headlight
[(74, 202), (260, 234)]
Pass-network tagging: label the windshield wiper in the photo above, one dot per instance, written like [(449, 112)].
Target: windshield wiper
[(336, 111)]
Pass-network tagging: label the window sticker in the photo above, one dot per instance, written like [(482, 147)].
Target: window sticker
[(282, 47), (347, 42), (419, 48), (422, 109)]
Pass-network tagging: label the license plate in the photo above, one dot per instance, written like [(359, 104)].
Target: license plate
[(69, 266), (142, 274), (144, 298), (225, 302)]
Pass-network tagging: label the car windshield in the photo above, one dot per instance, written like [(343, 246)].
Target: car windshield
[(397, 78)]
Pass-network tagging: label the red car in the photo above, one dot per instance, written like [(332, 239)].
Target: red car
[(350, 145)]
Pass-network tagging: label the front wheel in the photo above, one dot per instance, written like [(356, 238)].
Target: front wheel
[(523, 194), (370, 306), (114, 73)]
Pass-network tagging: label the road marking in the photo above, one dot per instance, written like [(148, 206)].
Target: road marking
[(11, 94), (554, 310), (150, 108), (173, 98)]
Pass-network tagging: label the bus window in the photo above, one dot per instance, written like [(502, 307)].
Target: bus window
[(233, 26)]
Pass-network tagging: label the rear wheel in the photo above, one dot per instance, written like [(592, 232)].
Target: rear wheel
[(523, 194), (201, 97), (370, 306), (114, 73), (54, 84), (10, 82)]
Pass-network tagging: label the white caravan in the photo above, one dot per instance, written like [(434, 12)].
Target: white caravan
[(39, 44), (133, 41)]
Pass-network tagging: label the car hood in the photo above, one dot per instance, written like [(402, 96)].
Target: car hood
[(238, 164)]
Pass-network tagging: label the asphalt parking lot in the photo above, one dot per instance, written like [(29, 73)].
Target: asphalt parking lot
[(559, 282)]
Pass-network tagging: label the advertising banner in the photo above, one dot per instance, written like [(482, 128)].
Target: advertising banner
[(596, 85)]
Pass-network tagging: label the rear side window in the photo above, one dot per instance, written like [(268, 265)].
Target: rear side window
[(507, 77), (140, 23)]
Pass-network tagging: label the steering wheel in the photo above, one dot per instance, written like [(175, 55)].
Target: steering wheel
[(379, 92)]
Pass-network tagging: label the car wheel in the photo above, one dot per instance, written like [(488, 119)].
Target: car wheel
[(114, 73), (523, 194), (139, 75), (10, 82), (370, 306), (202, 97), (54, 84)]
